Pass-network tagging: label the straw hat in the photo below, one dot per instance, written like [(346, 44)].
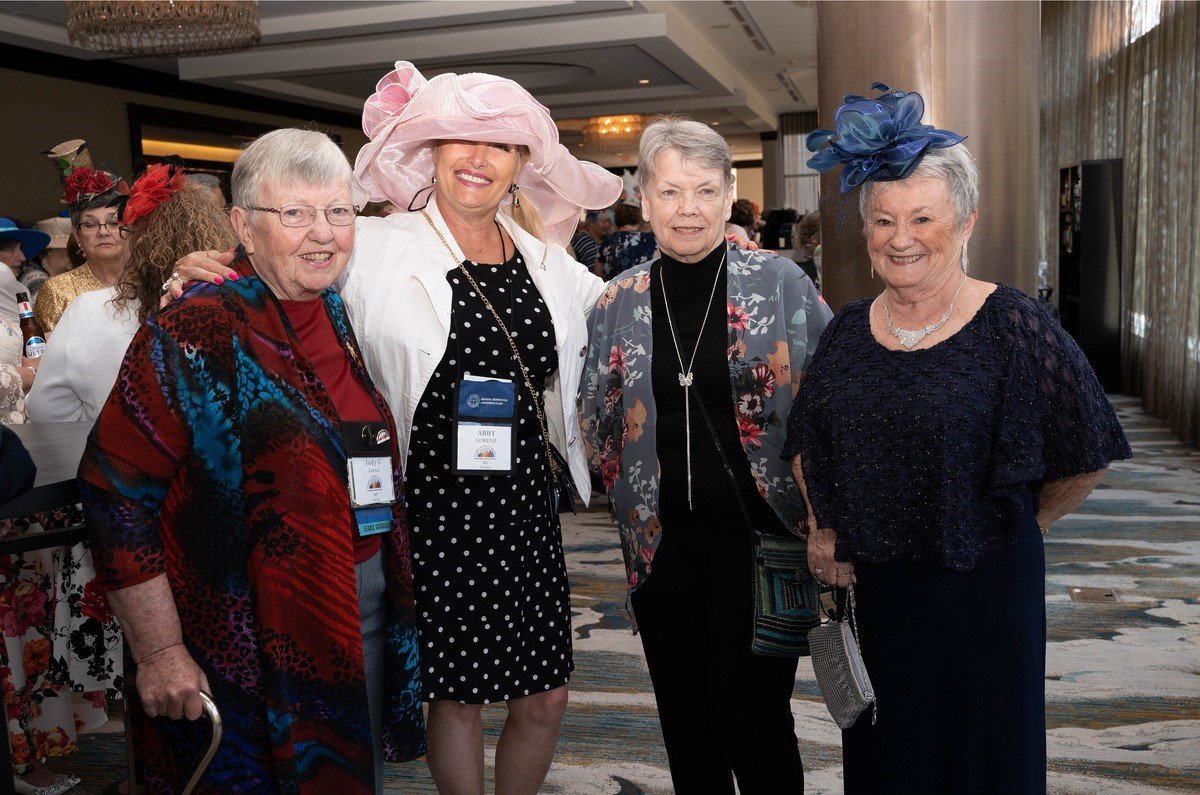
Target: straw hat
[(58, 228)]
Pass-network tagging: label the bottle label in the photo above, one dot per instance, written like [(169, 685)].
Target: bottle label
[(34, 347), (24, 309)]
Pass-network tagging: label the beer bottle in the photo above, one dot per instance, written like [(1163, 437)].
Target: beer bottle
[(31, 330)]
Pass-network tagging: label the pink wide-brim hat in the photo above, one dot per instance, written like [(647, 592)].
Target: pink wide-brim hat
[(408, 113)]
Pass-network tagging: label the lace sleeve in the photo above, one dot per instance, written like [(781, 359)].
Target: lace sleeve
[(12, 397), (1055, 420), (799, 413)]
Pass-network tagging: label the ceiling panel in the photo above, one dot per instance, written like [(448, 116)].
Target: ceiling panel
[(735, 64)]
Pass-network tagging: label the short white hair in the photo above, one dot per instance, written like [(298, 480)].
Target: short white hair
[(954, 166), (287, 156), (695, 142)]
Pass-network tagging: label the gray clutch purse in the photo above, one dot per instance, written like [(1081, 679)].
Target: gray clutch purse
[(839, 667)]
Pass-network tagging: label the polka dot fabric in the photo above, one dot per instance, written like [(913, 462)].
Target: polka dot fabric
[(492, 600)]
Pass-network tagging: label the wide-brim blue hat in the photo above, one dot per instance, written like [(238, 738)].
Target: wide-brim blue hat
[(33, 242)]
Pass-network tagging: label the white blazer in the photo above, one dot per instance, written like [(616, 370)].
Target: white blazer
[(398, 300)]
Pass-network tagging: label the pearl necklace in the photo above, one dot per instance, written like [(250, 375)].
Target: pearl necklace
[(910, 339)]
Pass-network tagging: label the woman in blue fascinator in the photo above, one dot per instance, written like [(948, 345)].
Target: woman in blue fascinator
[(941, 428)]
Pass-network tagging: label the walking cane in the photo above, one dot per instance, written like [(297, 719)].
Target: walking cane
[(214, 718)]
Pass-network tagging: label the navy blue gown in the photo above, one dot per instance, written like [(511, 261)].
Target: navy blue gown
[(928, 465)]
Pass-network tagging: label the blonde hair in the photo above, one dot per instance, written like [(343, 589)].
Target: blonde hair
[(188, 221), (527, 216)]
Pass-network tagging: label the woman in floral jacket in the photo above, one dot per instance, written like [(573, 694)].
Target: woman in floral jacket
[(734, 330)]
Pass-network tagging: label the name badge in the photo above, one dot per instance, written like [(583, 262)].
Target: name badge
[(369, 475), (484, 411)]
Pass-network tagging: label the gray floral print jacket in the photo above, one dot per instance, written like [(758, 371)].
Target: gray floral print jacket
[(775, 317)]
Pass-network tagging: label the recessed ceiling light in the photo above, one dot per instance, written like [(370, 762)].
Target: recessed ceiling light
[(716, 124), (644, 82)]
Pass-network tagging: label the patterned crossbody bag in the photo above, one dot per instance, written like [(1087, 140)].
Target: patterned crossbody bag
[(786, 597)]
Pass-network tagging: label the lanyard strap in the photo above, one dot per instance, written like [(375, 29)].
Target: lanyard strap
[(516, 352)]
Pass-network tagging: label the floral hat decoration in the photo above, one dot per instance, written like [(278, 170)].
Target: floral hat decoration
[(81, 181), (407, 114), (157, 184), (877, 139)]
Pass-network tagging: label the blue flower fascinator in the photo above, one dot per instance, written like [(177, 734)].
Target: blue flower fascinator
[(877, 139)]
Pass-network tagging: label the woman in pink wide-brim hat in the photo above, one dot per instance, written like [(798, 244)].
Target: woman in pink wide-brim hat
[(488, 197)]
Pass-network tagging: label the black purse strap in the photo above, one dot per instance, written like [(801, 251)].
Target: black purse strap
[(737, 492)]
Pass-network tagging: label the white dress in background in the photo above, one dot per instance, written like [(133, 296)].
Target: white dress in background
[(82, 358), (53, 616)]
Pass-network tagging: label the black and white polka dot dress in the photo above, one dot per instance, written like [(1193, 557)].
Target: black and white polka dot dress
[(492, 600)]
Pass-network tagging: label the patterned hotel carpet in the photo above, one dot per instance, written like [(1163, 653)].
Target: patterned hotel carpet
[(1123, 678)]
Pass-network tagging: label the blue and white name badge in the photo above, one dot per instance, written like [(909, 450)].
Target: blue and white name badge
[(369, 475), (484, 410)]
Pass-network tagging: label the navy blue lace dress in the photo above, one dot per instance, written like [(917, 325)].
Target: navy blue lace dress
[(928, 465)]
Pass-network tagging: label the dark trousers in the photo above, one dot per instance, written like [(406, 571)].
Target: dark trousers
[(724, 711)]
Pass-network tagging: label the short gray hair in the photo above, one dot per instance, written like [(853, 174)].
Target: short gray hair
[(287, 156), (695, 142), (953, 166)]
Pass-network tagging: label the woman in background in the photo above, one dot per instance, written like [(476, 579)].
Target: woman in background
[(629, 245), (164, 217)]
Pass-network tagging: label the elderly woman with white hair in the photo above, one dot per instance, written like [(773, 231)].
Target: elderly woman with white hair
[(245, 506), (692, 365), (942, 428)]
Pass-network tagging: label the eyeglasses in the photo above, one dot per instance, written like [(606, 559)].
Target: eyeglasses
[(305, 214), (91, 227)]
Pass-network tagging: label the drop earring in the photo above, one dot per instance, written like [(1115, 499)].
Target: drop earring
[(512, 189), (965, 261)]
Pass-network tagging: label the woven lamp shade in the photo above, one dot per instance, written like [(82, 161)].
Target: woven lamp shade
[(162, 28)]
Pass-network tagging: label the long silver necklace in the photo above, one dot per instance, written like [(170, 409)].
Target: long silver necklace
[(685, 371), (909, 339)]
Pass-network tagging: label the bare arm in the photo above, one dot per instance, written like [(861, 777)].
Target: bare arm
[(821, 542), (168, 679), (1060, 497)]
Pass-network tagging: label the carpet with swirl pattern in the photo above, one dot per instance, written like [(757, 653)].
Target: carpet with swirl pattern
[(1123, 659)]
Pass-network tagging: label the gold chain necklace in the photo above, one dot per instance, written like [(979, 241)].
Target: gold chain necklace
[(528, 379)]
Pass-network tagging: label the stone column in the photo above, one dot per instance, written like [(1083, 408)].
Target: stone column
[(977, 67)]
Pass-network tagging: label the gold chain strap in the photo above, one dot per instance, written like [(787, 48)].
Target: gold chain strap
[(533, 394)]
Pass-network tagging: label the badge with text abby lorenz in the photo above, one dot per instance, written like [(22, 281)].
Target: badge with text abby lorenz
[(369, 475), (483, 426)]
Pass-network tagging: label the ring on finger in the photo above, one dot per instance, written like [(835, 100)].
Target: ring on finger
[(174, 277), (841, 573)]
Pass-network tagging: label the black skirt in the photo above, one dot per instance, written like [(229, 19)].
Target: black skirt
[(958, 663)]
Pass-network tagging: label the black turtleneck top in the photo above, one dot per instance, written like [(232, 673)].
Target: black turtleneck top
[(715, 509)]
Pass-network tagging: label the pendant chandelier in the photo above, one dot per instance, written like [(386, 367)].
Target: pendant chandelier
[(163, 27), (614, 133)]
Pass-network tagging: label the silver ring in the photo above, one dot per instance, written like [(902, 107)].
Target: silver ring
[(174, 277), (817, 571), (841, 573)]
